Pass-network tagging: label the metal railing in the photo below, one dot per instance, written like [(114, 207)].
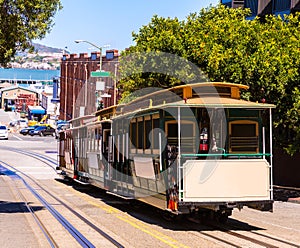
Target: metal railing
[(239, 155)]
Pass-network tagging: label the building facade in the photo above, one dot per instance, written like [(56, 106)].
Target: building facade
[(265, 7), (81, 89), (15, 96)]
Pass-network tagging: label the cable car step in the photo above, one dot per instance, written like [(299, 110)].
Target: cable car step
[(121, 196), (81, 182)]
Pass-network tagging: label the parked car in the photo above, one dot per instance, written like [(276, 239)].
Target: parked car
[(3, 132), (43, 131), (22, 123), (13, 123), (26, 130)]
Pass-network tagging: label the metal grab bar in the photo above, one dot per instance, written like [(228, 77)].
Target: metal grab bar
[(226, 154)]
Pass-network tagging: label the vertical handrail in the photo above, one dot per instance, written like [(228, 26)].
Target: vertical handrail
[(179, 156), (160, 152), (264, 141), (271, 154)]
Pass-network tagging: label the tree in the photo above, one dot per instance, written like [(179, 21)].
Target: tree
[(158, 59), (21, 22), (263, 54), (280, 62)]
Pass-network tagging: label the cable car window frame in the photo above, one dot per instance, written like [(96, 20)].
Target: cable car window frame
[(253, 140), (133, 135), (182, 122)]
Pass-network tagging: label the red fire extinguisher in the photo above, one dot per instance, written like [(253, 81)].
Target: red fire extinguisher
[(204, 140)]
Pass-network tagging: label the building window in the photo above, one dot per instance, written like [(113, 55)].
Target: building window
[(110, 55), (281, 5), (227, 3)]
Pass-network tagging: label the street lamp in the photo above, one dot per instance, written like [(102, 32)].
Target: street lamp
[(115, 85), (100, 69), (98, 47)]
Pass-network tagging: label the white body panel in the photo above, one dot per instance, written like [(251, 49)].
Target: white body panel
[(226, 180), (92, 160)]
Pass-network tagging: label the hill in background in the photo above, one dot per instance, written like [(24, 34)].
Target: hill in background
[(42, 49), (45, 49), (43, 57)]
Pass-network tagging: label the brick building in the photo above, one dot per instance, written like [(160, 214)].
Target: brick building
[(80, 93)]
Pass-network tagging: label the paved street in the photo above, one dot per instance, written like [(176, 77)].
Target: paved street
[(6, 117), (140, 227)]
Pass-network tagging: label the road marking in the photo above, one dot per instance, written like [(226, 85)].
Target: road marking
[(17, 137), (141, 226)]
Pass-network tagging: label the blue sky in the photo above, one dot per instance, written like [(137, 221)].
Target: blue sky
[(112, 21)]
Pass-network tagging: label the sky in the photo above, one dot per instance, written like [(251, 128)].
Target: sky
[(111, 22)]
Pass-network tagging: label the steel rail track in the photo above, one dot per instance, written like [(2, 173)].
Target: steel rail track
[(228, 230), (84, 242), (211, 236), (279, 240), (216, 227), (253, 240), (40, 224), (35, 155), (48, 160)]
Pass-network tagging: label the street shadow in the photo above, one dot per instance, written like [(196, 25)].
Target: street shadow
[(285, 194), (16, 207), (155, 216)]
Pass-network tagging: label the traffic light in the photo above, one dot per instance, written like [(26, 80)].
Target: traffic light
[(100, 105)]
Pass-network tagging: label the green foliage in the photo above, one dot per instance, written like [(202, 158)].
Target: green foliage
[(158, 59), (21, 22), (137, 70), (265, 55)]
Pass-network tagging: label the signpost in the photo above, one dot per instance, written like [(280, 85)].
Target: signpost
[(100, 74)]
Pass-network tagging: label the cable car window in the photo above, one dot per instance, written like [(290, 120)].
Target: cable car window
[(187, 130), (172, 134), (243, 136), (173, 130), (242, 130), (148, 134), (133, 136), (140, 135), (188, 137), (155, 142)]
